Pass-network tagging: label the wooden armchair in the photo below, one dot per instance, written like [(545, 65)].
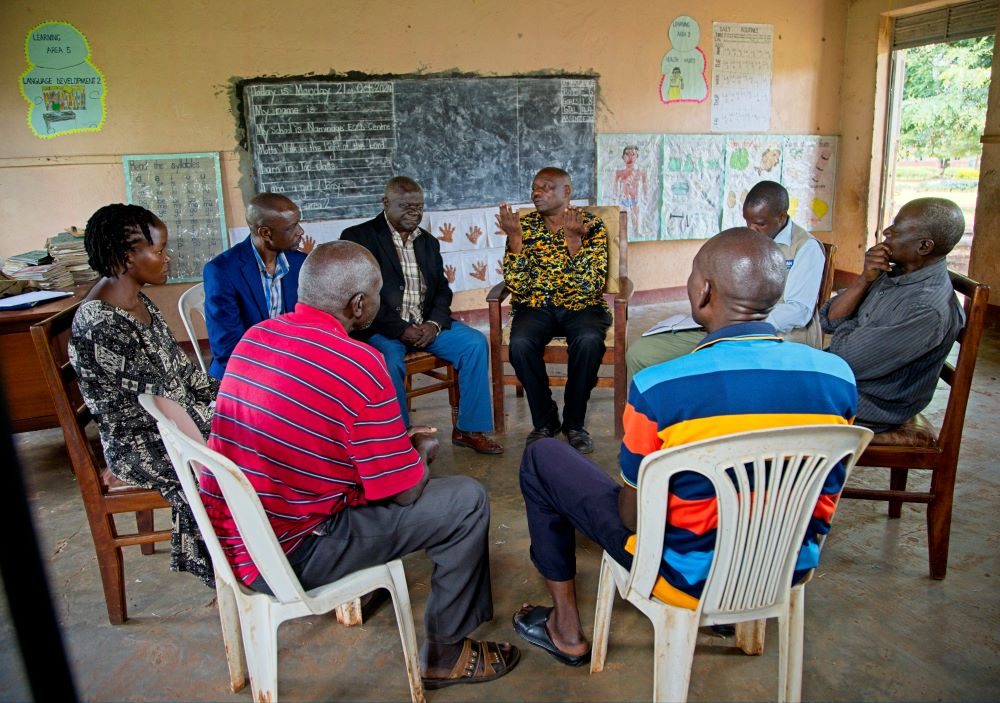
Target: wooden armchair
[(917, 445), (618, 290), (442, 375), (104, 496)]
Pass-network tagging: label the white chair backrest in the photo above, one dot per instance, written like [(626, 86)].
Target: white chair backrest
[(759, 532), (193, 300), (187, 450)]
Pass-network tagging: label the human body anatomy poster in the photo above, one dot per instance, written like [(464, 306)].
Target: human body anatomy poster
[(628, 168), (701, 180)]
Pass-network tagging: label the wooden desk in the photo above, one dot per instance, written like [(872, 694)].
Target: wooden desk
[(30, 405)]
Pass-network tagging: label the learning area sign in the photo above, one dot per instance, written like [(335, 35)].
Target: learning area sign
[(65, 92)]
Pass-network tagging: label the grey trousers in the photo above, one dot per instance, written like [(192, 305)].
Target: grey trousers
[(450, 522)]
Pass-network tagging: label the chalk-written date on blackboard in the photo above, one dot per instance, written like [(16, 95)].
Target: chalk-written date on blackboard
[(332, 145)]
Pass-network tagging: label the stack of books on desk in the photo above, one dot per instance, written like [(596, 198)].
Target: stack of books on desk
[(67, 249), (15, 263), (45, 277)]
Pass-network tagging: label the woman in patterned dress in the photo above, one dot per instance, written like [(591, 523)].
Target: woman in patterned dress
[(120, 347)]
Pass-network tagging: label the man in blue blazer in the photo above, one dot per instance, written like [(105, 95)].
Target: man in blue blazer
[(255, 280), (415, 311)]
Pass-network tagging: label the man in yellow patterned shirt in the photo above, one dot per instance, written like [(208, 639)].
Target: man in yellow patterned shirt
[(555, 267)]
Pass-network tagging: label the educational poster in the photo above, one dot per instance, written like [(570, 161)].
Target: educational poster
[(809, 165), (628, 168), (185, 191), (749, 160), (741, 77), (460, 230), (65, 92), (682, 78), (693, 171)]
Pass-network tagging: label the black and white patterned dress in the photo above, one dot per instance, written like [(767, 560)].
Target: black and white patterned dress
[(118, 357)]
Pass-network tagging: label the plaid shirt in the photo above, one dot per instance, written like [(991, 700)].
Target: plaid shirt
[(414, 289), (272, 283)]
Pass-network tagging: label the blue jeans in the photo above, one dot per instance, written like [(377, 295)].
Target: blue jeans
[(468, 350)]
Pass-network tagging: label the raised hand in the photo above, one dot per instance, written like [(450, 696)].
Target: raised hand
[(307, 244), (474, 234), (449, 273), (510, 224), (574, 228), (447, 231), (479, 270)]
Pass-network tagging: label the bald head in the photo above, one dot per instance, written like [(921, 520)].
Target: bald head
[(335, 275), (941, 219), (737, 276), (401, 184), (263, 207), (551, 190)]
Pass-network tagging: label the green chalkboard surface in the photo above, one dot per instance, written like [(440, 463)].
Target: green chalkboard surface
[(331, 145)]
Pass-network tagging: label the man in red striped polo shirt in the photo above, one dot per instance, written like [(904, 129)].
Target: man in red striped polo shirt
[(311, 417)]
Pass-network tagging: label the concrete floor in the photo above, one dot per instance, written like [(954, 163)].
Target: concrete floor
[(877, 628)]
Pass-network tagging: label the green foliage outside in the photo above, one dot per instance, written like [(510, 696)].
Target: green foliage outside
[(944, 99)]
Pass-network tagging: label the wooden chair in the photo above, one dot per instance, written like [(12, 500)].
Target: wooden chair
[(829, 266), (917, 445), (756, 546), (250, 620), (443, 377), (618, 289), (104, 496)]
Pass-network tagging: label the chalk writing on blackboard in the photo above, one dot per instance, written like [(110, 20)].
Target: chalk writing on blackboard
[(185, 191), (331, 145)]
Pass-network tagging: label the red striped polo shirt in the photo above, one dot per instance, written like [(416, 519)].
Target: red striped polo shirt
[(310, 416)]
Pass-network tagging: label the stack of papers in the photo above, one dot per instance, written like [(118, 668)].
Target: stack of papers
[(29, 300), (29, 258), (46, 276), (68, 250)]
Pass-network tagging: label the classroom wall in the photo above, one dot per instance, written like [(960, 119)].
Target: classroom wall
[(170, 67)]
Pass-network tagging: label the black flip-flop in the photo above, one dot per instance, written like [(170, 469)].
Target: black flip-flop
[(531, 627)]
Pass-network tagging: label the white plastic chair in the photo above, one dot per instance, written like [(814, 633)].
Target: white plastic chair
[(193, 300), (758, 539), (250, 620)]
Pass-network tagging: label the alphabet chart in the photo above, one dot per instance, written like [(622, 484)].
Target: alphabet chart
[(185, 191)]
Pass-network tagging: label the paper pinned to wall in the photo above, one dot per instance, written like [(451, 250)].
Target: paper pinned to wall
[(749, 160), (741, 77), (693, 170), (628, 175), (809, 167)]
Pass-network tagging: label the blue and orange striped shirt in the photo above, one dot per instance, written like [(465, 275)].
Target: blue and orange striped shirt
[(742, 377), (310, 416)]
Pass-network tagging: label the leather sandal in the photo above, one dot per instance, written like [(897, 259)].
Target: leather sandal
[(480, 661), (531, 626)]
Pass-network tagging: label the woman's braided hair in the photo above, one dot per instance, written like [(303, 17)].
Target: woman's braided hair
[(111, 233)]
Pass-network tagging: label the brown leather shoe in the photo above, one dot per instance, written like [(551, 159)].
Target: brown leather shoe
[(477, 441)]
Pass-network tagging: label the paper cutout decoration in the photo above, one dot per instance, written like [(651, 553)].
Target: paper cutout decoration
[(65, 92), (683, 67)]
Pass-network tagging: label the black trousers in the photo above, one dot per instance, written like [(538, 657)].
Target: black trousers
[(533, 328)]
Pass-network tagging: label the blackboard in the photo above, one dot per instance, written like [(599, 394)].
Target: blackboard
[(331, 145)]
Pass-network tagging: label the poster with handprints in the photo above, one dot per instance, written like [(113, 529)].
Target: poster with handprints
[(495, 270), (477, 266), (749, 160), (458, 230), (692, 185), (64, 90), (453, 270), (808, 170), (628, 168)]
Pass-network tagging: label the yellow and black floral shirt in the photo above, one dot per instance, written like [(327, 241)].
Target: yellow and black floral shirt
[(544, 273)]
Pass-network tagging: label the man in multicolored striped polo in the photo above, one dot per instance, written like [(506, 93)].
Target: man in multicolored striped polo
[(742, 376), (310, 415)]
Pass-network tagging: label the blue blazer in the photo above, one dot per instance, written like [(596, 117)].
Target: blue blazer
[(234, 298)]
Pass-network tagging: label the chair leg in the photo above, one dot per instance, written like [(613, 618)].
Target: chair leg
[(897, 482), (676, 632), (260, 644), (939, 520), (144, 525), (109, 559), (750, 636), (602, 616), (350, 613), (791, 636), (519, 390), (232, 636), (407, 634), (453, 397)]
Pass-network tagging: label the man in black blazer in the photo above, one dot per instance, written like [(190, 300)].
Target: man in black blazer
[(415, 312)]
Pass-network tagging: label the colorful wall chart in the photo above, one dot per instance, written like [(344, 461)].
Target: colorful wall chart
[(683, 67), (697, 182), (65, 92), (185, 191), (628, 167)]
